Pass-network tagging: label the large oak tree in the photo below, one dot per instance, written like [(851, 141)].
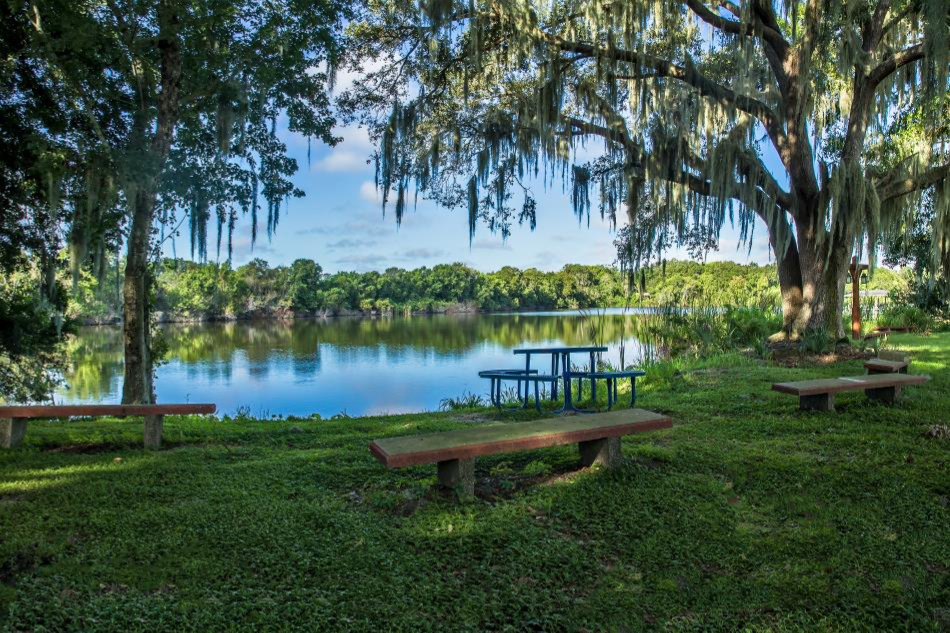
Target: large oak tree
[(704, 113)]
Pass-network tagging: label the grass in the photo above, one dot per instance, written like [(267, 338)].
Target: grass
[(747, 514)]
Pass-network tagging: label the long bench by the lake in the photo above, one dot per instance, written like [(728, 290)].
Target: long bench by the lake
[(819, 395), (13, 419), (598, 436)]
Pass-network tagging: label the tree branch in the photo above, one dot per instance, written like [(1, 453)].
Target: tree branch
[(894, 62), (690, 76), (755, 27), (894, 187)]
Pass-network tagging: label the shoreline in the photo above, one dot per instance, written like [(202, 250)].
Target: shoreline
[(289, 315)]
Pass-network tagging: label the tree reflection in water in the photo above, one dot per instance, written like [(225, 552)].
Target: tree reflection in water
[(327, 366)]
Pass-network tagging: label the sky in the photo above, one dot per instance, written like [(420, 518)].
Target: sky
[(340, 224)]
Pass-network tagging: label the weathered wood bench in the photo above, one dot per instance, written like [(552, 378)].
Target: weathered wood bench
[(13, 419), (819, 395), (454, 452)]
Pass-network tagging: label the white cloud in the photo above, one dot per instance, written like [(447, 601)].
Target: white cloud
[(370, 193), (342, 160)]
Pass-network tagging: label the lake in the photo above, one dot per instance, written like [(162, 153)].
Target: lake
[(346, 365)]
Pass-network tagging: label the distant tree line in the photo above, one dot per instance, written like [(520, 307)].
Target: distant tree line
[(186, 289)]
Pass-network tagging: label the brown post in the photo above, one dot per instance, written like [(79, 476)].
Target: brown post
[(605, 451), (855, 269), (153, 431), (12, 431)]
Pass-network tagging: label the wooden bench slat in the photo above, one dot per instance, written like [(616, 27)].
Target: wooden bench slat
[(75, 410), (409, 450), (848, 383)]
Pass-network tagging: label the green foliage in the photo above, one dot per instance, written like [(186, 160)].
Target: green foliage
[(747, 514), (898, 315), (467, 400), (32, 332), (216, 290)]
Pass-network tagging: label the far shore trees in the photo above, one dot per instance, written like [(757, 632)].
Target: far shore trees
[(825, 120)]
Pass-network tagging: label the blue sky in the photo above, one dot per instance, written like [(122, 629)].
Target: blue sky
[(340, 224)]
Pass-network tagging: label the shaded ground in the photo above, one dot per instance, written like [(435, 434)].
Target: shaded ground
[(748, 513)]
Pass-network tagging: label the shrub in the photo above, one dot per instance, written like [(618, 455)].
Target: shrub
[(905, 316)]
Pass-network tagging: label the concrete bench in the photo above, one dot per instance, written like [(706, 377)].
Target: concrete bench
[(454, 452), (884, 366), (819, 395), (13, 419)]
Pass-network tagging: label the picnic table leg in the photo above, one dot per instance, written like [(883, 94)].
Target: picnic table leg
[(12, 431), (633, 391), (554, 367), (457, 474), (817, 402), (610, 394), (537, 394), (605, 451), (568, 403), (153, 431), (886, 395), (593, 381)]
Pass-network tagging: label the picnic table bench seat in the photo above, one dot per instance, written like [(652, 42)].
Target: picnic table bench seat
[(13, 419), (819, 394), (598, 437), (610, 378), (498, 376)]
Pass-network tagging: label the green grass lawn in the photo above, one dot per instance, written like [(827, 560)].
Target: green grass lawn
[(748, 513)]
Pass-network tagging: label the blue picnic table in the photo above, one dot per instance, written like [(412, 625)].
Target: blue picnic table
[(561, 358)]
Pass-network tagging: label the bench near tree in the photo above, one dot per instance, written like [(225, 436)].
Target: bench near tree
[(454, 452), (13, 419), (819, 395)]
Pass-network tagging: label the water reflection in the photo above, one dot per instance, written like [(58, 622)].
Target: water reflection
[(359, 366)]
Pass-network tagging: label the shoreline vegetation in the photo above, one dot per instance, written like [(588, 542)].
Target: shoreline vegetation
[(748, 513), (189, 292)]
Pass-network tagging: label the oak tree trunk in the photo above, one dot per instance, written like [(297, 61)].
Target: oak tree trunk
[(137, 386)]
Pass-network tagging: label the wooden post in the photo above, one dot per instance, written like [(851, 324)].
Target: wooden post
[(12, 431), (153, 431), (856, 269), (605, 451), (458, 474)]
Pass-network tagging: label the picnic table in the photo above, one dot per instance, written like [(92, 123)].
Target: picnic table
[(561, 357)]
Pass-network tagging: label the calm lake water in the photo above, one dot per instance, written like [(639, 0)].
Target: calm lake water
[(356, 366)]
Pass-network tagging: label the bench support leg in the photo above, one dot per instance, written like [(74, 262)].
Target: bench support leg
[(818, 402), (886, 395), (153, 431), (605, 451), (12, 431), (458, 474)]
